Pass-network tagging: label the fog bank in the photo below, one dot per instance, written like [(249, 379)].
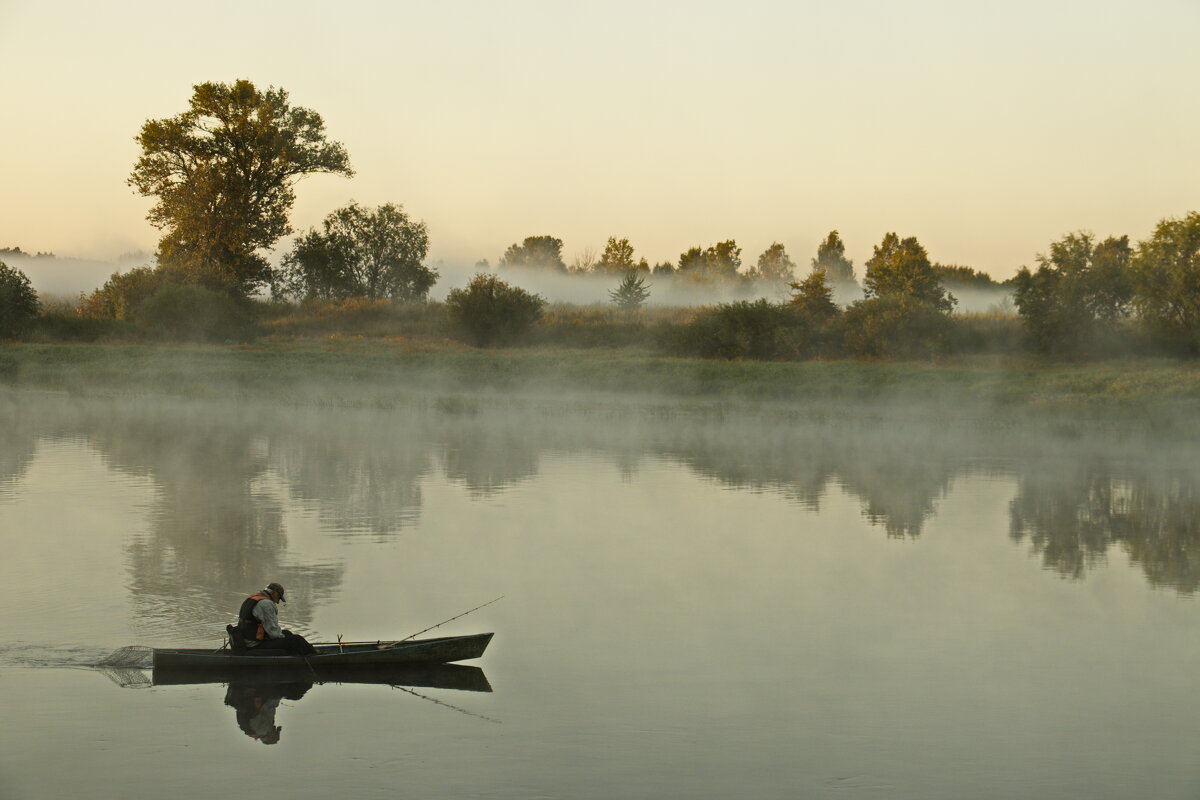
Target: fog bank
[(55, 277)]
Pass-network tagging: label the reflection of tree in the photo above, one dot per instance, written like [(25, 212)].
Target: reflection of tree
[(360, 479), (897, 482), (216, 534), (1072, 517), (898, 490), (18, 443), (1069, 519), (488, 459), (1166, 540), (223, 478)]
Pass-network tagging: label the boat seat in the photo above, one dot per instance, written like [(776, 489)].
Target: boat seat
[(235, 639)]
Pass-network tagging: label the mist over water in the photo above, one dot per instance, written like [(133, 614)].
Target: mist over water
[(720, 599)]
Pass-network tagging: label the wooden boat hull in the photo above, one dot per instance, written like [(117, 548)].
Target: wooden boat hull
[(442, 650)]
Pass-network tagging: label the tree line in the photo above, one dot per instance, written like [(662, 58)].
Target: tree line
[(1092, 298), (222, 175)]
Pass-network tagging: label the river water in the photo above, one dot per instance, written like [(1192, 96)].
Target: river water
[(696, 602)]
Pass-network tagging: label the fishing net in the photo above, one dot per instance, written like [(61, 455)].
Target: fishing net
[(133, 657), (127, 678)]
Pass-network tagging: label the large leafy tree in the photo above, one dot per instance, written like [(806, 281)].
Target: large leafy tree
[(360, 253), (831, 257), (901, 267), (223, 174), (1166, 274), (540, 252), (1072, 303)]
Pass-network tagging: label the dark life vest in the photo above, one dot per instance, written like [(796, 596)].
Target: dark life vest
[(248, 625)]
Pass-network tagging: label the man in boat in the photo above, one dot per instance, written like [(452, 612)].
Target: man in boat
[(258, 624)]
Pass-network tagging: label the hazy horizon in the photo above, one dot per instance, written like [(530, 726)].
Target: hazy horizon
[(987, 132)]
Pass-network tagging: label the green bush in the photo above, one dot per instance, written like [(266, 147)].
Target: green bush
[(187, 312), (489, 311), (895, 326), (18, 302), (759, 330), (121, 294)]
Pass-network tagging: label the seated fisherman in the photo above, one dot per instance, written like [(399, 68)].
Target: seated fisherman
[(258, 624)]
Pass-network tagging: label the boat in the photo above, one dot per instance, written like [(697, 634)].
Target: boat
[(442, 650), (458, 677)]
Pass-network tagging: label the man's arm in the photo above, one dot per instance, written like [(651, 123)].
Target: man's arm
[(266, 613)]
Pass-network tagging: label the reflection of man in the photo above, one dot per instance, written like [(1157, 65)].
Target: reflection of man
[(258, 624), (256, 706)]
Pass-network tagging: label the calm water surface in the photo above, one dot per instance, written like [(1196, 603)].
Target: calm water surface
[(695, 605)]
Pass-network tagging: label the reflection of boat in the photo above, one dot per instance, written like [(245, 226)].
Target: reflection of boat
[(441, 650), (255, 695), (425, 676)]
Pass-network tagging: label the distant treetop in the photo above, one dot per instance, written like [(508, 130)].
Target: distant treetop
[(831, 257), (901, 267), (542, 252), (965, 276), (17, 251), (618, 258)]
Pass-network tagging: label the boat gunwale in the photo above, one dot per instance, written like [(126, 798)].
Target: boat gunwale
[(364, 651)]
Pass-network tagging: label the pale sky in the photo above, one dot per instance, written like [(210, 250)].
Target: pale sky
[(985, 129)]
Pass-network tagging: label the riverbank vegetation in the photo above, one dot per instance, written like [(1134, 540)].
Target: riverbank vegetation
[(363, 277)]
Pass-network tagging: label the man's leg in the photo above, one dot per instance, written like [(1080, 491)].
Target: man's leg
[(298, 644), (270, 647)]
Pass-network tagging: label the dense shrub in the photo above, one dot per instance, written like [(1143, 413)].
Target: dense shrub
[(353, 317), (18, 302), (57, 325), (759, 330), (489, 311), (121, 294), (895, 326), (187, 312)]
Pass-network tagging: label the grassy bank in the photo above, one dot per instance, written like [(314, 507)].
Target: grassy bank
[(375, 371)]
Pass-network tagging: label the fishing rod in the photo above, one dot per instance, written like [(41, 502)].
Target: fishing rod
[(443, 622)]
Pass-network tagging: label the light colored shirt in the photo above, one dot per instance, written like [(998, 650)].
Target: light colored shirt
[(266, 613), (263, 721)]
